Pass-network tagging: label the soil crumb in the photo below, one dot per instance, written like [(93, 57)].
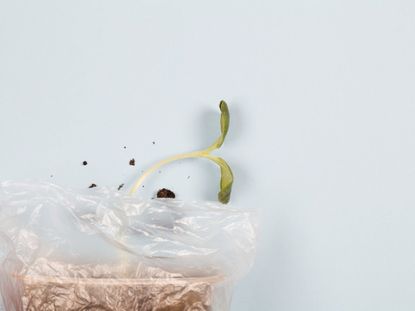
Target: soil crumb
[(84, 163), (132, 162), (165, 193), (120, 187), (92, 186)]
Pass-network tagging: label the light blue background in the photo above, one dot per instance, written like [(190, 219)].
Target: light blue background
[(322, 139)]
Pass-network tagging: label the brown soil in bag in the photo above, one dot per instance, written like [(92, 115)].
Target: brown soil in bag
[(60, 294), (97, 288)]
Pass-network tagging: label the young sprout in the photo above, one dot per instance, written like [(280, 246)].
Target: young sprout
[(226, 179)]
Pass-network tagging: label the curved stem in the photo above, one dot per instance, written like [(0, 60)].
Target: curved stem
[(155, 167)]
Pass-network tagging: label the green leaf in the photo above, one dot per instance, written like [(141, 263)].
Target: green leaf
[(224, 126), (224, 123), (226, 180)]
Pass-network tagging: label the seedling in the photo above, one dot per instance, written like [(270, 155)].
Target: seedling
[(226, 179)]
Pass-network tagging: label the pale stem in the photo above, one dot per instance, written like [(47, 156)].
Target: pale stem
[(155, 167)]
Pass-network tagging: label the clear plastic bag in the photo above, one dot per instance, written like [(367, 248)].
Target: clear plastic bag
[(100, 249)]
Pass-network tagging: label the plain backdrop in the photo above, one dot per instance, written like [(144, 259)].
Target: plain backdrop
[(322, 101)]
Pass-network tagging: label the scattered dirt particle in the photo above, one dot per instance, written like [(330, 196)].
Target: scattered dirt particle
[(132, 162), (165, 193), (84, 163), (142, 186), (125, 147), (120, 187), (51, 176), (154, 142), (92, 186), (188, 177)]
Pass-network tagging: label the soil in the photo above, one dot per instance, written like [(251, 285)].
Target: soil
[(132, 162), (84, 163), (165, 193), (92, 186), (120, 186)]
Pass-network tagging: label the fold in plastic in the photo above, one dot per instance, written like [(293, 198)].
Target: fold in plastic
[(62, 249)]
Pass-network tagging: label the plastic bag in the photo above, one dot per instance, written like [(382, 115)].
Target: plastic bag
[(100, 249)]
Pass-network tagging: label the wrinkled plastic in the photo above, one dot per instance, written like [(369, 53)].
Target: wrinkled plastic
[(100, 249)]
